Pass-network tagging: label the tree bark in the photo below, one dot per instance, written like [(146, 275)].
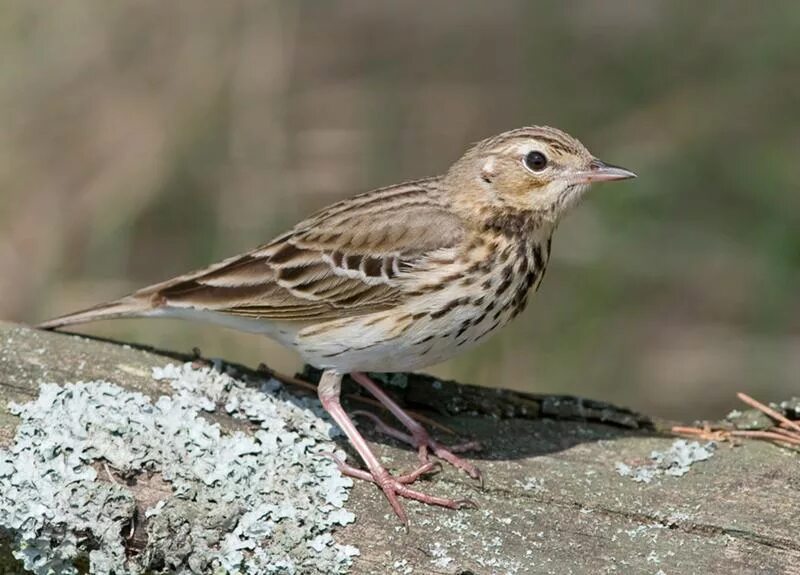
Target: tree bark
[(556, 498)]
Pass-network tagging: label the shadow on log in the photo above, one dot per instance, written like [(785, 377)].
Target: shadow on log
[(571, 486)]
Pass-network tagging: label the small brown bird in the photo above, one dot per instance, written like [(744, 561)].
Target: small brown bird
[(395, 279)]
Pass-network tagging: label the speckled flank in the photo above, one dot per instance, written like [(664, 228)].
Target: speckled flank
[(264, 503)]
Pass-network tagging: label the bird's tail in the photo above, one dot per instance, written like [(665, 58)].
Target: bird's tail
[(130, 306)]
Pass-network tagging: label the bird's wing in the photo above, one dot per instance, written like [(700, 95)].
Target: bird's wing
[(348, 259)]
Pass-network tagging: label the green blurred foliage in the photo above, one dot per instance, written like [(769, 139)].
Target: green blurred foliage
[(143, 139)]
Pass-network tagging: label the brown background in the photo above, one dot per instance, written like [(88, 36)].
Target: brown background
[(140, 140)]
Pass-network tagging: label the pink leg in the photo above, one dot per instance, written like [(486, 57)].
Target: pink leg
[(328, 390), (419, 438)]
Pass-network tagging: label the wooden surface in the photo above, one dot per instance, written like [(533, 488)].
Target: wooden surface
[(553, 500)]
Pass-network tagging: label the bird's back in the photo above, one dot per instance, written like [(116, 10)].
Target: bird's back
[(346, 260)]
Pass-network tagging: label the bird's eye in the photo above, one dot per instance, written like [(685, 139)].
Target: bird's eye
[(535, 161)]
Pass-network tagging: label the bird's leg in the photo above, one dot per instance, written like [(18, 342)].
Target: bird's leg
[(419, 438), (329, 390)]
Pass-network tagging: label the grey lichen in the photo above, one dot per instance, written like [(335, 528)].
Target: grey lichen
[(261, 502), (675, 461), (749, 419), (756, 419)]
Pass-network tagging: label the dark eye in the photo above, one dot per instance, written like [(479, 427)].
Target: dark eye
[(535, 161)]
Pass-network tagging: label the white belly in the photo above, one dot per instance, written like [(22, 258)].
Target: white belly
[(417, 335), (385, 341)]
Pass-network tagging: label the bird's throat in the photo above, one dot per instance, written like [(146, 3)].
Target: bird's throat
[(517, 224)]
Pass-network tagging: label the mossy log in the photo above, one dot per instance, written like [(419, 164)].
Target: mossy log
[(559, 494)]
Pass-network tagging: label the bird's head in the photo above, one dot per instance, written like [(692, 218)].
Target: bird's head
[(537, 169)]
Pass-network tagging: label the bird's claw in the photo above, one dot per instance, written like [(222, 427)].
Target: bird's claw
[(395, 487), (425, 444)]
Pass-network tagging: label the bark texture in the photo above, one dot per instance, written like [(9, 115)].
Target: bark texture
[(561, 493)]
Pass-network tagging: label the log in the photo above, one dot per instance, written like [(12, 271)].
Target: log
[(571, 486)]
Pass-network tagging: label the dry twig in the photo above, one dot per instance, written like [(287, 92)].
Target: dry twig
[(769, 411), (786, 432)]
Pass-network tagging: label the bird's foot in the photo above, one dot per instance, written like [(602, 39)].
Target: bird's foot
[(395, 487), (406, 479), (421, 440)]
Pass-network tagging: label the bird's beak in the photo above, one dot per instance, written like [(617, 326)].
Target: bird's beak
[(601, 172)]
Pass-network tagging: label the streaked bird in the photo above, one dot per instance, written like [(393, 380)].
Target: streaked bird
[(394, 279)]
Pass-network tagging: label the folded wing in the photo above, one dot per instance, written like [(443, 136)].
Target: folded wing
[(354, 257)]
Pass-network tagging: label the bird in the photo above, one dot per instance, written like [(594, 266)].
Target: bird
[(395, 279)]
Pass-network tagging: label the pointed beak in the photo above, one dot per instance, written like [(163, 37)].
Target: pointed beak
[(601, 172)]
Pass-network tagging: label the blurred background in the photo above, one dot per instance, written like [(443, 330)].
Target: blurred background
[(140, 140)]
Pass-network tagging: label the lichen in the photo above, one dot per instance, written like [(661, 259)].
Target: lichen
[(750, 419), (675, 461), (260, 502)]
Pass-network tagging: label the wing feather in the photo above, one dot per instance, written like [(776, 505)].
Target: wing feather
[(345, 260)]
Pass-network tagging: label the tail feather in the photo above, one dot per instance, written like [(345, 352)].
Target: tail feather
[(126, 307)]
